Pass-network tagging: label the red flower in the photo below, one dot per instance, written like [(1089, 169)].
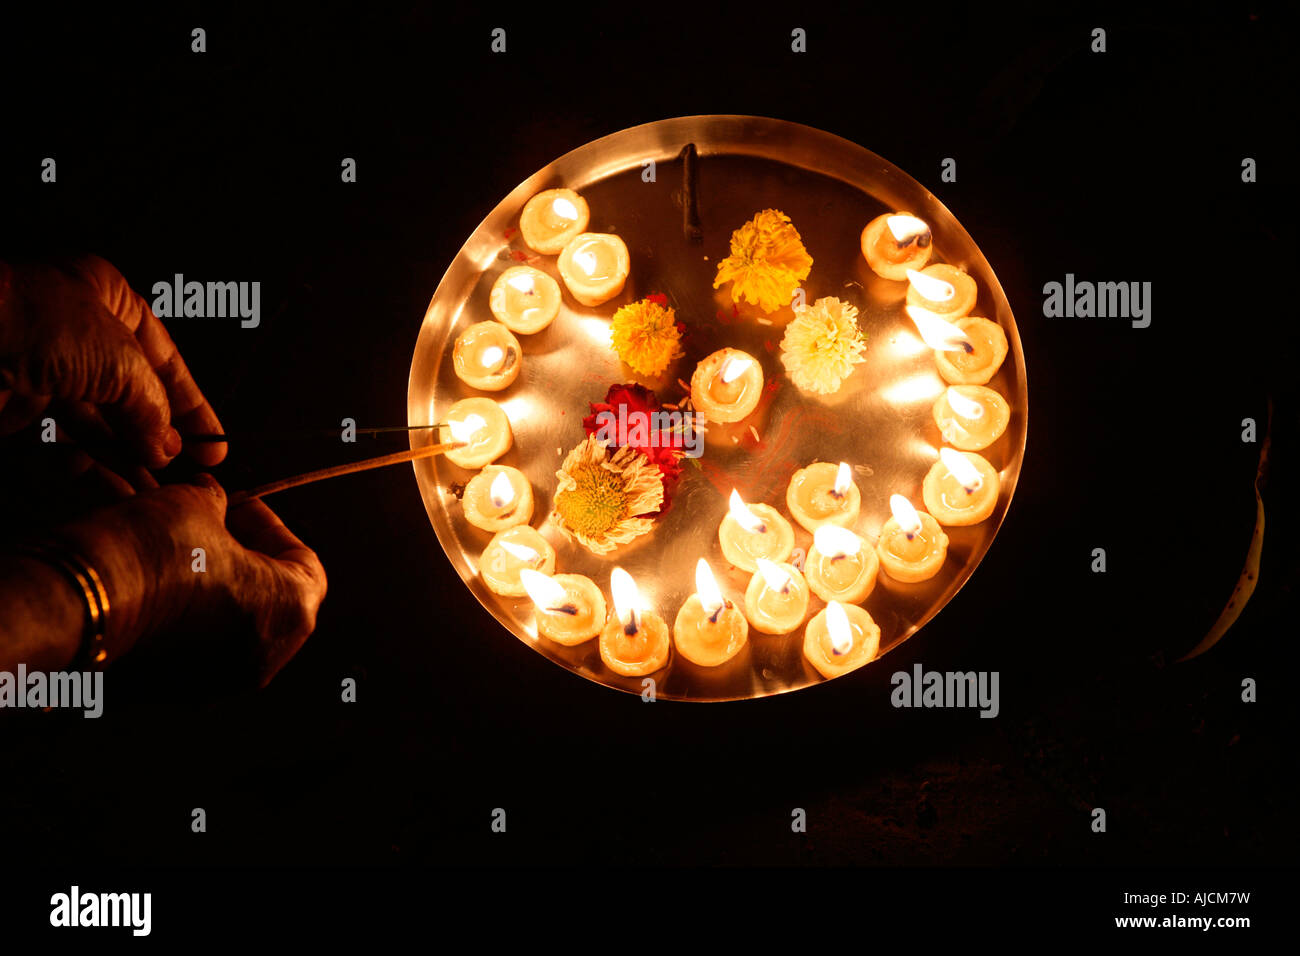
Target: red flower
[(662, 447)]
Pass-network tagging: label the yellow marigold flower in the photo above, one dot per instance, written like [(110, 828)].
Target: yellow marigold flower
[(767, 261), (822, 344), (601, 495), (646, 337)]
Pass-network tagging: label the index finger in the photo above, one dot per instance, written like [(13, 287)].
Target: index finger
[(191, 413)]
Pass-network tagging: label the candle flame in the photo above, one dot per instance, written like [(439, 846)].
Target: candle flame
[(586, 261), (908, 520), (843, 479), (930, 287), (547, 593), (967, 408), (744, 517), (774, 576), (966, 474), (564, 208), (734, 367), (839, 628), (502, 491), (523, 283), (627, 599), (836, 542), (491, 356), (707, 588), (464, 430), (906, 228), (938, 334), (520, 551)]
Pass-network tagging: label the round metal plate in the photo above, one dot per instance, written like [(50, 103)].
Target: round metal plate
[(880, 421)]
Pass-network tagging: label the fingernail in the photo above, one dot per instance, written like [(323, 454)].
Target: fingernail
[(172, 442)]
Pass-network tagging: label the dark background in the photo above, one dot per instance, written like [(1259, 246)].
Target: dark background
[(1117, 166)]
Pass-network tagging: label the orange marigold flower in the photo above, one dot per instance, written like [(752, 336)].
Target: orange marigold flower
[(767, 261), (645, 336)]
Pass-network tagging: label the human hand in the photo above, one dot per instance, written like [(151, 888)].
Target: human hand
[(260, 580), (81, 335)]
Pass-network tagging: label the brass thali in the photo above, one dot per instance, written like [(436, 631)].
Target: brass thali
[(880, 421)]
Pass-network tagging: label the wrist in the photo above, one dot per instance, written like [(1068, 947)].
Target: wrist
[(125, 563), (43, 621)]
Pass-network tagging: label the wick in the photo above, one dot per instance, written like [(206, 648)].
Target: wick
[(568, 609), (713, 618), (841, 557), (630, 628), (967, 347), (762, 529)]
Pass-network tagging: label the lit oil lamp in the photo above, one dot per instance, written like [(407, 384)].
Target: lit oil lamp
[(840, 566), (594, 266), (709, 629), (979, 359), (960, 488), (570, 608), (912, 546), (508, 553), (524, 299), (823, 494), (777, 598), (896, 242), (634, 642), (971, 417), (840, 638), (487, 356), (750, 532), (483, 427), (943, 290), (727, 385), (498, 497), (938, 333), (552, 218)]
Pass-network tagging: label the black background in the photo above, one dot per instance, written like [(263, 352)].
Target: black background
[(1121, 166)]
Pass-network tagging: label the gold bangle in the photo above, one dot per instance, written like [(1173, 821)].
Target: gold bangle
[(94, 596)]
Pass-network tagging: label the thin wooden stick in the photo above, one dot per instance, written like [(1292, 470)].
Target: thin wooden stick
[(281, 434), (411, 454)]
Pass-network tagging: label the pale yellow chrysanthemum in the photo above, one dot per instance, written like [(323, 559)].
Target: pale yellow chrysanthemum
[(646, 337), (822, 344), (767, 261), (600, 495)]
